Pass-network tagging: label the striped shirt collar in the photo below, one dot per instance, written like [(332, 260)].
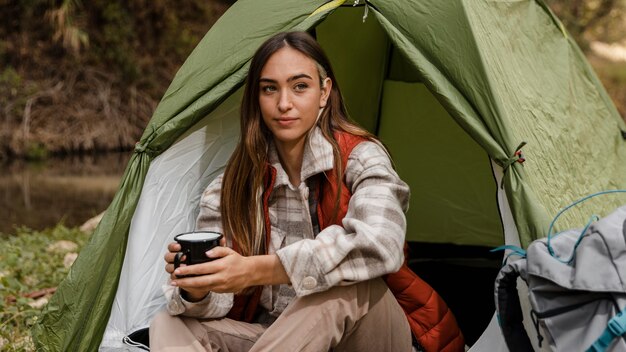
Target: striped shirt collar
[(317, 158)]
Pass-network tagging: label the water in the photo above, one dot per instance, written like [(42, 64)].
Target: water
[(61, 189)]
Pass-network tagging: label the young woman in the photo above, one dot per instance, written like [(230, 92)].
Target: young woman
[(313, 215)]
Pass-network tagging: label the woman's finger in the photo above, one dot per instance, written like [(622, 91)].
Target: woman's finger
[(228, 273), (197, 269), (199, 283), (219, 252), (202, 268), (173, 247)]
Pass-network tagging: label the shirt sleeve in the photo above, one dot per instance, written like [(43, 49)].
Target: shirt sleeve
[(214, 305), (371, 241)]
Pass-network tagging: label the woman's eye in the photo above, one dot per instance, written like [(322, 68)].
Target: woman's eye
[(268, 89), (301, 86)]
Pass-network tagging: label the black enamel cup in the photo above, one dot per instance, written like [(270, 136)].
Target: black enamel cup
[(194, 246)]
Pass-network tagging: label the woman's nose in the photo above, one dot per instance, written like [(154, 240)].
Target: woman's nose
[(284, 102)]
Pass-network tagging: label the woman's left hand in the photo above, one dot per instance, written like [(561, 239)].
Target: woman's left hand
[(227, 272)]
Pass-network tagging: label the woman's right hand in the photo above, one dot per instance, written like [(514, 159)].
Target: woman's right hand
[(192, 295)]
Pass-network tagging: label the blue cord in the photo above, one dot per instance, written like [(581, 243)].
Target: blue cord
[(515, 250), (591, 220), (580, 238)]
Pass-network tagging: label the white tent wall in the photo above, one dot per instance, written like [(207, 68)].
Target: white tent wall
[(168, 205), (492, 340)]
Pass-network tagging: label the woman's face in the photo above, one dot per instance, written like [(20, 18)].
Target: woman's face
[(290, 95)]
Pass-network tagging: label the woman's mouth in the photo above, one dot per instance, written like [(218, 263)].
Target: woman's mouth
[(286, 121)]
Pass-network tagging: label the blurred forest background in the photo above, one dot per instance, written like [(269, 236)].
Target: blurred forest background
[(79, 76), (82, 76)]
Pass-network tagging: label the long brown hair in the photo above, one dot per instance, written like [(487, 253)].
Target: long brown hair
[(242, 185)]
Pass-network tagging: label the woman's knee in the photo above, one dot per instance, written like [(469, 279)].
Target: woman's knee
[(161, 321), (374, 287), (344, 302)]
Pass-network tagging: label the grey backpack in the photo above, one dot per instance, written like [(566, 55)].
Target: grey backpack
[(577, 289)]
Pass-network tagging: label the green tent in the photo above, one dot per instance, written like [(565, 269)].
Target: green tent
[(452, 87)]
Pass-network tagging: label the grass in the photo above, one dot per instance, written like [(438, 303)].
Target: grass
[(31, 263)]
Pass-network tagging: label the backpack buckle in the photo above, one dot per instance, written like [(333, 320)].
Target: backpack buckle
[(617, 324)]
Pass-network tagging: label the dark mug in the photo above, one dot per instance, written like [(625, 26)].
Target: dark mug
[(194, 246)]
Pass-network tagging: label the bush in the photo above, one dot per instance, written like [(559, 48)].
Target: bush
[(32, 264), (98, 67)]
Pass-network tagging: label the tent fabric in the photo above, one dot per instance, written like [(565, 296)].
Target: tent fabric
[(446, 170), (360, 69), (505, 71), (499, 68), (429, 152), (171, 194), (551, 99), (492, 339)]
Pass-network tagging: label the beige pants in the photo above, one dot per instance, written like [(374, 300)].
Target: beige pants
[(360, 317)]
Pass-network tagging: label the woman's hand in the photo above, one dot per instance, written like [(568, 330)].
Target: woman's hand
[(173, 248), (227, 272), (191, 294)]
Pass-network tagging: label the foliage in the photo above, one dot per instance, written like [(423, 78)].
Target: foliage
[(36, 151), (589, 20), (31, 261), (98, 67), (122, 35)]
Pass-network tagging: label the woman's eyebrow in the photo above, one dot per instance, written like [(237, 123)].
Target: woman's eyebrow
[(292, 78), (302, 75)]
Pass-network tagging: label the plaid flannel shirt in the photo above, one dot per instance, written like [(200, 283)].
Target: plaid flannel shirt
[(368, 245)]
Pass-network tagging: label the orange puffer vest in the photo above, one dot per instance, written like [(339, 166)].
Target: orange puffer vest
[(431, 321)]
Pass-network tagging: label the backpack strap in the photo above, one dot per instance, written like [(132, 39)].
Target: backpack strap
[(509, 310), (615, 328)]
